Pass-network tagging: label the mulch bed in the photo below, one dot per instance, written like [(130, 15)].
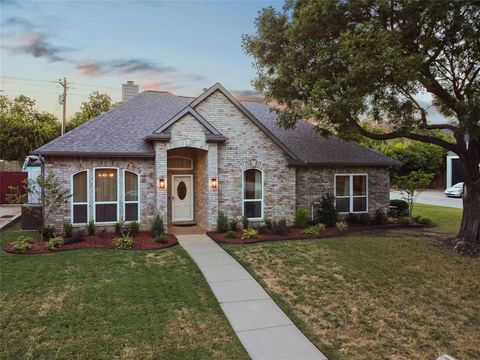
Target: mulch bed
[(295, 233), (142, 241)]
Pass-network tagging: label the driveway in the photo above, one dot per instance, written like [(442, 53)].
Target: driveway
[(9, 213), (432, 197)]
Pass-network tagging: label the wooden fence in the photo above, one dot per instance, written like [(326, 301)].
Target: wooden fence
[(11, 178)]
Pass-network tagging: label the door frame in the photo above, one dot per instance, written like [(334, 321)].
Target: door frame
[(192, 198)]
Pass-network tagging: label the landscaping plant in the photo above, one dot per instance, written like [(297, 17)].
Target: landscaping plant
[(249, 233), (245, 222), (123, 242), (119, 228), (268, 224), (341, 226), (412, 185), (54, 243), (423, 220), (22, 244), (301, 217), (280, 228), (222, 222), (363, 219), (327, 213), (380, 218), (134, 228), (401, 208), (313, 229), (90, 227), (157, 228), (230, 234), (233, 224), (161, 239), (48, 232), (67, 229), (352, 218)]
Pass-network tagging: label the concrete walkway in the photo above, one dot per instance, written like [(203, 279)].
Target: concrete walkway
[(8, 214), (262, 327)]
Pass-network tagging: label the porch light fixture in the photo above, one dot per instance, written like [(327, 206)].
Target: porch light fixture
[(214, 183), (161, 183)]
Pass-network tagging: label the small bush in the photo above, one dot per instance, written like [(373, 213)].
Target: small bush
[(230, 234), (401, 208), (123, 242), (341, 226), (222, 222), (380, 218), (363, 219), (233, 224), (352, 218), (327, 213), (301, 217), (157, 228), (161, 239), (91, 227), (119, 229), (134, 228), (103, 233), (268, 224), (54, 243), (313, 229), (245, 222), (48, 232), (280, 228), (406, 220), (262, 229), (67, 229), (249, 233), (423, 220), (22, 244)]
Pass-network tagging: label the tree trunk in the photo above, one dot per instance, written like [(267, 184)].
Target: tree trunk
[(469, 235)]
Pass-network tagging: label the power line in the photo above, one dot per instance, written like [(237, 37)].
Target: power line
[(42, 92), (54, 82)]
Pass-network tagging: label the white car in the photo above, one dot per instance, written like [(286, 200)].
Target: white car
[(455, 190)]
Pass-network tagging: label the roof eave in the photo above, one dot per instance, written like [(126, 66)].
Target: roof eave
[(302, 163), (93, 154), (158, 137)]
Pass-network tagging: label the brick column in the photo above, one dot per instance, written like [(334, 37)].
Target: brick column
[(212, 173), (161, 173)]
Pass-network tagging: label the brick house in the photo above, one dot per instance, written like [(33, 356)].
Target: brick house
[(187, 159)]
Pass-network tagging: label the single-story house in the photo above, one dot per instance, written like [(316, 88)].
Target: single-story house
[(188, 159)]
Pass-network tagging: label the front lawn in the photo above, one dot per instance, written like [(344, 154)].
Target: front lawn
[(362, 297), (104, 304), (446, 219)]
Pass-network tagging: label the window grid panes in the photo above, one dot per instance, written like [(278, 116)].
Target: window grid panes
[(253, 194), (131, 200), (80, 198), (351, 193), (106, 195)]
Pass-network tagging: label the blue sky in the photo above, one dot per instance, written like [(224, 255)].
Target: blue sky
[(179, 46)]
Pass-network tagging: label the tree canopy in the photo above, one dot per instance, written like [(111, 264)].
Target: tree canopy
[(97, 104), (24, 128)]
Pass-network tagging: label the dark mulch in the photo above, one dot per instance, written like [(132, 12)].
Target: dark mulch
[(295, 233), (142, 241)]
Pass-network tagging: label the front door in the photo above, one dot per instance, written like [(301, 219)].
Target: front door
[(182, 198)]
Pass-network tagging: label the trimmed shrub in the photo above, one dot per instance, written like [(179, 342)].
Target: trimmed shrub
[(352, 218), (327, 213), (363, 219), (245, 222), (249, 233), (268, 224), (301, 217), (401, 208), (22, 244), (161, 239), (48, 232), (380, 218), (406, 220), (341, 226), (230, 234), (103, 233), (313, 229), (280, 228), (423, 220), (222, 222), (134, 228), (67, 229), (233, 224), (123, 242), (119, 228), (262, 229), (91, 227), (157, 228), (54, 243)]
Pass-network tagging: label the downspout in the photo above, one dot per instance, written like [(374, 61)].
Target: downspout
[(42, 172)]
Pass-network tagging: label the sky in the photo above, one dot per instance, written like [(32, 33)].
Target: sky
[(177, 46)]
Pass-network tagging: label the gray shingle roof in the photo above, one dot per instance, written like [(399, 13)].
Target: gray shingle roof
[(121, 131)]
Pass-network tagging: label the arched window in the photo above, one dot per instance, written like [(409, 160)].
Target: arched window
[(80, 197), (179, 163), (106, 195), (131, 204), (253, 194)]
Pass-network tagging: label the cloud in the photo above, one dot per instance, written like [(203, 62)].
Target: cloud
[(19, 22), (122, 66), (12, 3), (37, 45), (152, 85)]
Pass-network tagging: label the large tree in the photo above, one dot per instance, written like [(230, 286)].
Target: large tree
[(341, 61), (97, 104), (23, 128)]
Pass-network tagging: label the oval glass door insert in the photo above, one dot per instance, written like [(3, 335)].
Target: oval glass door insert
[(181, 190)]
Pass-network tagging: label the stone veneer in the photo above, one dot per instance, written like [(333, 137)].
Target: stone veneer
[(65, 167), (314, 182)]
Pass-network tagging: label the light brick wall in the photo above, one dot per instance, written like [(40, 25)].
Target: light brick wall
[(160, 171), (64, 168), (314, 182)]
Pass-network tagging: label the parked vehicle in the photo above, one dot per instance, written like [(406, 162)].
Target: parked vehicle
[(455, 190)]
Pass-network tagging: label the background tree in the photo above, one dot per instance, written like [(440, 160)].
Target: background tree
[(340, 62), (23, 128), (96, 105), (412, 185)]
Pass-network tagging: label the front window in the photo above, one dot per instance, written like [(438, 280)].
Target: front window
[(131, 203), (351, 193), (253, 194), (106, 195), (80, 198)]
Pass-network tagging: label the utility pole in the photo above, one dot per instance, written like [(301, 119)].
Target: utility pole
[(63, 102)]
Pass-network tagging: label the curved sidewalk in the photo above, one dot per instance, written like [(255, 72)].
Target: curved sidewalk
[(262, 327)]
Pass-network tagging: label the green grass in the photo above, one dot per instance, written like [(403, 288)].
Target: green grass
[(104, 304), (446, 219)]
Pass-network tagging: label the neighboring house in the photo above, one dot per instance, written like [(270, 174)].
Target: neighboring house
[(187, 159), (454, 171)]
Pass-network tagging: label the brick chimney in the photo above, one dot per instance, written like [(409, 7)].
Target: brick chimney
[(129, 90)]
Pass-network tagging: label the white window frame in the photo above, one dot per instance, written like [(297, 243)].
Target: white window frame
[(253, 200), (180, 157), (72, 203), (351, 196), (125, 202), (95, 202)]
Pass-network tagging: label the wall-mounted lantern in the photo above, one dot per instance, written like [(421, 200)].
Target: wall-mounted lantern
[(161, 183), (214, 183)]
